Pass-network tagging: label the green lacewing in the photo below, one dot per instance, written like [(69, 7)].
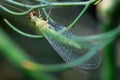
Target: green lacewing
[(67, 44)]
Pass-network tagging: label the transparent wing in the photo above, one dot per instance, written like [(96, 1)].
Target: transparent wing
[(69, 53)]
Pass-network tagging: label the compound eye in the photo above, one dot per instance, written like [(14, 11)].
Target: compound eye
[(33, 13)]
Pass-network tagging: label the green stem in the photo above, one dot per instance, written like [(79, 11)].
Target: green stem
[(21, 32), (108, 72), (55, 4), (103, 36), (15, 13), (63, 4), (111, 22), (42, 1), (79, 16)]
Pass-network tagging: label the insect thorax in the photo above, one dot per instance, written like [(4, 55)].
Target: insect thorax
[(40, 23)]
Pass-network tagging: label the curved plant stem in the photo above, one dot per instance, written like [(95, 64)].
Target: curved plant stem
[(22, 33), (55, 4), (51, 4), (103, 36), (79, 16), (15, 13)]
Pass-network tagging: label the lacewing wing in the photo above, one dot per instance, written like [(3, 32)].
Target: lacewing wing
[(69, 53)]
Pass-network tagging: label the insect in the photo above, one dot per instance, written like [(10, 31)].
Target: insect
[(67, 44)]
